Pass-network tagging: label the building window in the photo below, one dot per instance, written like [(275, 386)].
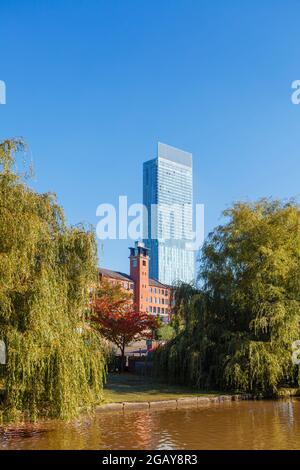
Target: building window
[(158, 309), (150, 309), (134, 263), (163, 301), (144, 262), (154, 309), (162, 310)]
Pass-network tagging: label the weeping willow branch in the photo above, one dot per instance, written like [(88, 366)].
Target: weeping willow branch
[(238, 331), (54, 366)]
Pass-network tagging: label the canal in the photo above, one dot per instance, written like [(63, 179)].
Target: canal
[(233, 425)]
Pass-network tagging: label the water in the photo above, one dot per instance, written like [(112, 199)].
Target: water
[(233, 425)]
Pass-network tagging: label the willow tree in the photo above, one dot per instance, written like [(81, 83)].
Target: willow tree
[(244, 321), (55, 362)]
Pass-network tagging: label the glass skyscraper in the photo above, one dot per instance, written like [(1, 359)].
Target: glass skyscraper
[(168, 197)]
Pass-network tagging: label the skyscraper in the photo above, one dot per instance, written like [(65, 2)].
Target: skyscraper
[(168, 197)]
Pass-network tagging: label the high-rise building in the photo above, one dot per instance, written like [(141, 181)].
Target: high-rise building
[(168, 197)]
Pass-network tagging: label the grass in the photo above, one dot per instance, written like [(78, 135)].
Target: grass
[(135, 388), (129, 387)]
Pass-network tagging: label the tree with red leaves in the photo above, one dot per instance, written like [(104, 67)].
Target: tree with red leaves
[(115, 316)]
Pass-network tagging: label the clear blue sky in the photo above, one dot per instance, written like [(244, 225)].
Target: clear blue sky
[(93, 85)]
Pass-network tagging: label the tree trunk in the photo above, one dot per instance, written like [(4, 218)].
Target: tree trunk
[(122, 358)]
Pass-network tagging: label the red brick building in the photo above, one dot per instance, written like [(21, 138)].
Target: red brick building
[(149, 294)]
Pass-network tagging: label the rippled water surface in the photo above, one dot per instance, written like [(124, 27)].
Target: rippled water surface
[(235, 425)]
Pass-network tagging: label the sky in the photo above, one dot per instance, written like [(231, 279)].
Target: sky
[(93, 85)]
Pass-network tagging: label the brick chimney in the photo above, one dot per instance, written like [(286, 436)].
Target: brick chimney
[(139, 272)]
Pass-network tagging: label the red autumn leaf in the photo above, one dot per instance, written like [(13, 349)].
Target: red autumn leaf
[(118, 320)]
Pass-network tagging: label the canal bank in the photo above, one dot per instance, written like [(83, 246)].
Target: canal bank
[(126, 392), (129, 392), (175, 403)]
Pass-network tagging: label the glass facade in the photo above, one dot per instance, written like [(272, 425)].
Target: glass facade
[(168, 196)]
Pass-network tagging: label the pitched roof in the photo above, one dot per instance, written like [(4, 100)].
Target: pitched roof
[(125, 277), (155, 283), (115, 274)]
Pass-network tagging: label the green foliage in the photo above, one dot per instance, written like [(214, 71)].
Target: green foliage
[(165, 333), (55, 361), (182, 314), (239, 329)]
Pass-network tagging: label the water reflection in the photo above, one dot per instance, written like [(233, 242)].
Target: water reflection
[(236, 425)]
